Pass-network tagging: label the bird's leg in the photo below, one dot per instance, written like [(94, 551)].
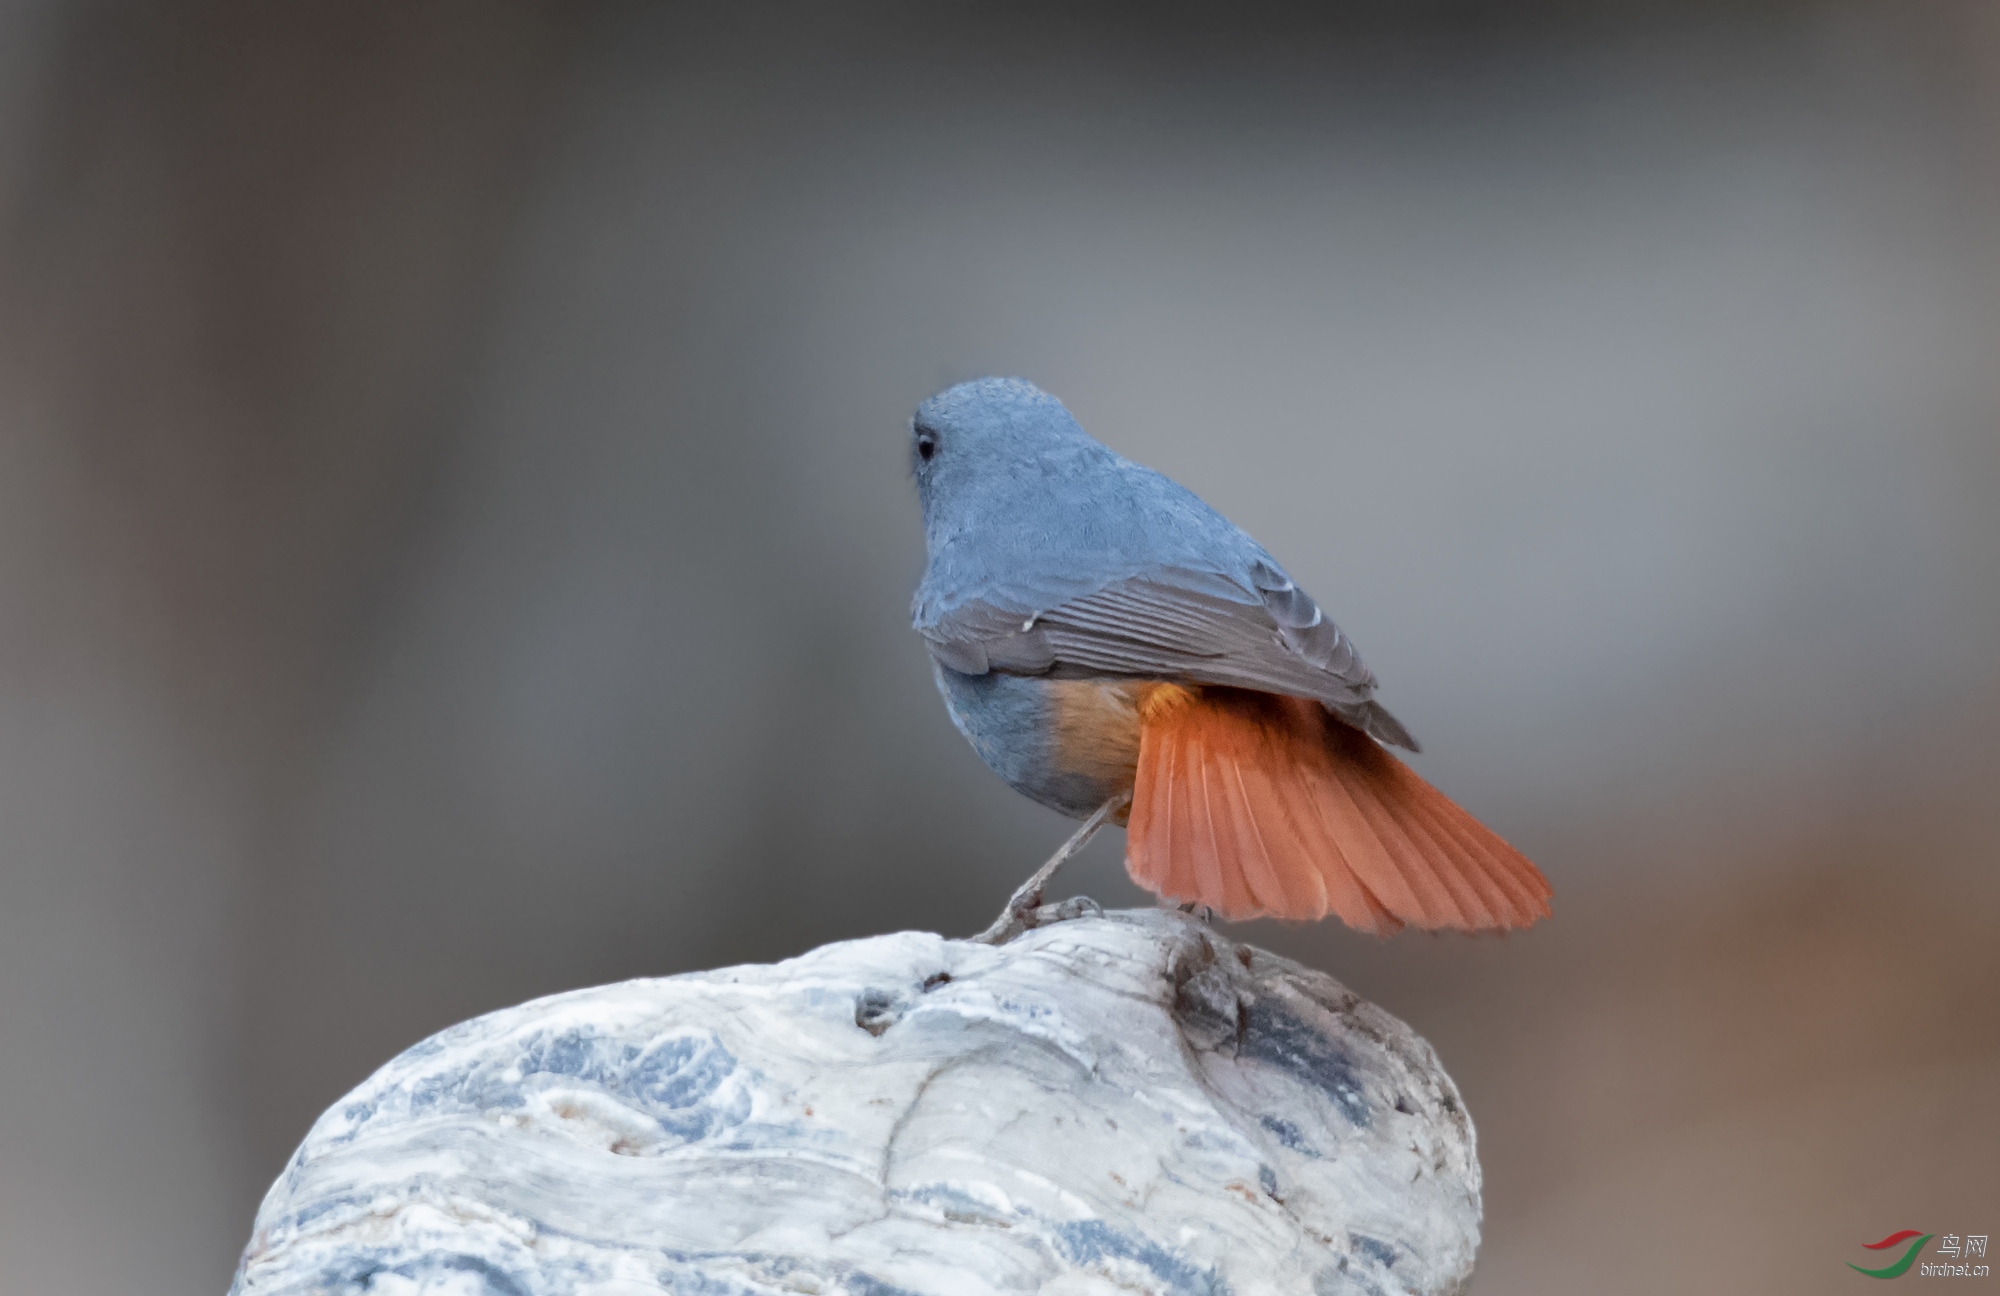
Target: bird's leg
[(1024, 908)]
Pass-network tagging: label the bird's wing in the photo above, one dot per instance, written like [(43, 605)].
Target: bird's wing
[(1263, 633)]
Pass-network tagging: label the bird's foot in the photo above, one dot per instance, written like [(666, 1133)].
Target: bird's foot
[(1025, 910), (1062, 911), (1074, 907), (1201, 911), (1019, 921), (1022, 914)]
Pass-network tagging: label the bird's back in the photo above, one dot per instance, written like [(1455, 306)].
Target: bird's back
[(1038, 539)]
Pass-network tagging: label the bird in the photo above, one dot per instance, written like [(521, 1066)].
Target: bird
[(1118, 651)]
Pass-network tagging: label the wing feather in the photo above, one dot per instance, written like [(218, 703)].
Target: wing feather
[(1261, 632)]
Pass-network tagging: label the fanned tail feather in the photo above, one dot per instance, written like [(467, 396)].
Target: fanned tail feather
[(1255, 804)]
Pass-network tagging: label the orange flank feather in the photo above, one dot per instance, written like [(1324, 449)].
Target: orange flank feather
[(1255, 804)]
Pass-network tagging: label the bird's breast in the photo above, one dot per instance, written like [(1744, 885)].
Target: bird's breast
[(1069, 744)]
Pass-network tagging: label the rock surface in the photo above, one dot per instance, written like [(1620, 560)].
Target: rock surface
[(1121, 1104)]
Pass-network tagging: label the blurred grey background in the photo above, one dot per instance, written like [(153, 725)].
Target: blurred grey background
[(455, 545)]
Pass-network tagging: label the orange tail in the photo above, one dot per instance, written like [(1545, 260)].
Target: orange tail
[(1255, 804)]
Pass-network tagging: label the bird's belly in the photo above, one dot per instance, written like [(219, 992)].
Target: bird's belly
[(1070, 744)]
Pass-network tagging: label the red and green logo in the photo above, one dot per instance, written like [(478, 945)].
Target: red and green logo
[(1901, 1266)]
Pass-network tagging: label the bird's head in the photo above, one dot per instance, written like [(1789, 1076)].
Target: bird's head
[(984, 435)]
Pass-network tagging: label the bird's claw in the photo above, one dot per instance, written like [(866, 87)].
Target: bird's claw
[(1025, 910), (1029, 912), (1074, 907)]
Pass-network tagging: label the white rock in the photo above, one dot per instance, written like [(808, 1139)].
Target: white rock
[(1121, 1104)]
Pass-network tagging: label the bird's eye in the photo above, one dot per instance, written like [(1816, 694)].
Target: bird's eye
[(926, 444)]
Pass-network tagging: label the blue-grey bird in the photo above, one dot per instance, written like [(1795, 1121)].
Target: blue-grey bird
[(1110, 645)]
